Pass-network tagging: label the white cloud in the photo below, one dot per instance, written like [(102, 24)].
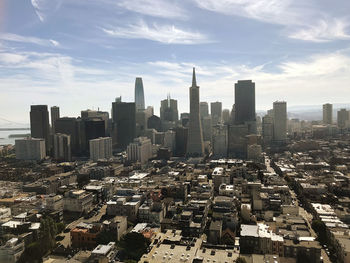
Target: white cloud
[(167, 34), (303, 20), (323, 31), (44, 8), (10, 58), (157, 8), (271, 11), (28, 39)]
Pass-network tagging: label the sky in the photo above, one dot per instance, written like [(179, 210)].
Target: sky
[(82, 54)]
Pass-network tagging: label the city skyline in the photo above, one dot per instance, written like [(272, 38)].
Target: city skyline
[(48, 58)]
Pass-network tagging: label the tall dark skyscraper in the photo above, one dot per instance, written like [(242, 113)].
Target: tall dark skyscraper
[(39, 124), (124, 120), (195, 136), (245, 104), (55, 115), (139, 95)]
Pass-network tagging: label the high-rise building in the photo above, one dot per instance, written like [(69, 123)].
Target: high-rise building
[(220, 141), (170, 140), (103, 115), (39, 124), (245, 104), (124, 120), (327, 113), (62, 147), (216, 112), (233, 114), (154, 122), (195, 137), (203, 109), (140, 150), (280, 121), (73, 127), (139, 95), (237, 142), (226, 118), (55, 115), (93, 128), (100, 148), (181, 141), (168, 110), (207, 128), (185, 119), (267, 130), (30, 149), (342, 118)]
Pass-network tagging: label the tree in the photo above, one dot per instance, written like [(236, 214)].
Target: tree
[(320, 229), (107, 236), (134, 245)]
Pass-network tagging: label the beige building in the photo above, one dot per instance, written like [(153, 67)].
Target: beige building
[(140, 150), (77, 201), (62, 147), (100, 148), (30, 149), (327, 113)]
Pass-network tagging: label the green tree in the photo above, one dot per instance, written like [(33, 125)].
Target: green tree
[(134, 245)]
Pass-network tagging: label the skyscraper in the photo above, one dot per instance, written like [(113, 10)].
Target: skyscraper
[(327, 113), (62, 147), (168, 110), (203, 109), (55, 114), (124, 119), (342, 118), (39, 124), (74, 128), (245, 104), (280, 121), (216, 112), (139, 95), (195, 136)]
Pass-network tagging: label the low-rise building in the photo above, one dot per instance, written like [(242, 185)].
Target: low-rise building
[(12, 250)]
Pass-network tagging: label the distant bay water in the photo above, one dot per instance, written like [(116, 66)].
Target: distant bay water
[(5, 135)]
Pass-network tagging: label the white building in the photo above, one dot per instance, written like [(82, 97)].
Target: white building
[(140, 150), (62, 147), (30, 149), (100, 148)]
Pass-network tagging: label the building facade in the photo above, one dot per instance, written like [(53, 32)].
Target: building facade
[(140, 150), (39, 124), (30, 149), (100, 148), (195, 137)]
